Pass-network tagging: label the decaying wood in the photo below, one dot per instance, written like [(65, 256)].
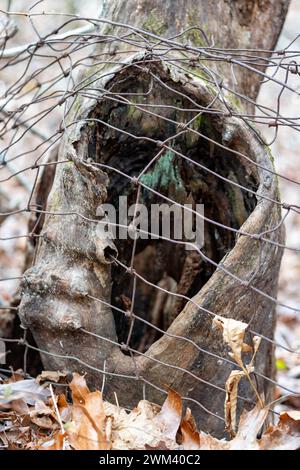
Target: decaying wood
[(73, 261)]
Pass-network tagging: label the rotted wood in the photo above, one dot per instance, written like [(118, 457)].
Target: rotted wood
[(73, 281)]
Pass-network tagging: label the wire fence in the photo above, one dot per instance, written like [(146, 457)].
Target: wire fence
[(37, 114)]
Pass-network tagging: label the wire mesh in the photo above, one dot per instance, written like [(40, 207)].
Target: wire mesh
[(43, 85)]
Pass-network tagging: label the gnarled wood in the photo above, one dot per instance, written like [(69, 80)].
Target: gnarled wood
[(68, 291)]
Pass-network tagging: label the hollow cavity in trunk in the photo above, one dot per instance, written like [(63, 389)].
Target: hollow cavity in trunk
[(143, 106)]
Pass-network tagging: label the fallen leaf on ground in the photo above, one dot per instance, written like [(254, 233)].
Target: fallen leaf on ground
[(52, 376), (284, 436), (190, 435), (27, 390), (64, 408), (86, 431), (79, 388), (56, 443), (89, 423), (138, 428), (169, 417)]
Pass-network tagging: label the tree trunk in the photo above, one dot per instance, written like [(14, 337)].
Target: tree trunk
[(70, 289)]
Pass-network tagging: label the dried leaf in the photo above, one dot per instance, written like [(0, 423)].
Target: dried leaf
[(40, 408), (79, 388), (27, 390), (293, 415), (98, 425), (169, 417), (52, 376), (230, 404), (135, 429), (64, 408), (138, 428), (233, 335), (16, 376), (285, 435), (189, 432), (86, 432), (160, 446), (246, 437), (208, 442), (249, 426), (44, 422), (246, 348), (256, 343), (18, 438), (56, 443), (19, 406)]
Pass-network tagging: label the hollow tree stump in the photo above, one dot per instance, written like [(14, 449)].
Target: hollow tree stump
[(70, 289)]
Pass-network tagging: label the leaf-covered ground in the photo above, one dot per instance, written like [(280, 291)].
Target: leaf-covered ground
[(44, 415)]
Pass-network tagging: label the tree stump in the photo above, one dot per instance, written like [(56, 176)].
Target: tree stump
[(75, 298)]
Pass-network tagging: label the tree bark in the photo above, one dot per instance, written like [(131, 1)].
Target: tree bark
[(68, 290), (228, 24)]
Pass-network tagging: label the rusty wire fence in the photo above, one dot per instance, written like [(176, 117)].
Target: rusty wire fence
[(41, 89)]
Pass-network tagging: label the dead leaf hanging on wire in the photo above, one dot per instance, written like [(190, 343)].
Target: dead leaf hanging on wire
[(233, 335), (230, 404)]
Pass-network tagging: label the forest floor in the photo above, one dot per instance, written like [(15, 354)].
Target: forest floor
[(286, 153)]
